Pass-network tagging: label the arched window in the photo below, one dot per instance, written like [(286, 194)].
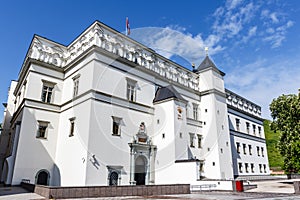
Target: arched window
[(42, 177)]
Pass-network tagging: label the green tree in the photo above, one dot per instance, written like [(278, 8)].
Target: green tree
[(285, 111)]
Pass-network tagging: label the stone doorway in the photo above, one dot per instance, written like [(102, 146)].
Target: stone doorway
[(140, 170)]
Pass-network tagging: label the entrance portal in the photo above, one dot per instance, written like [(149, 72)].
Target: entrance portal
[(140, 170)]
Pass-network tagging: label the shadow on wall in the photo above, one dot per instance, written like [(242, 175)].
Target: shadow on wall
[(56, 176), (231, 127)]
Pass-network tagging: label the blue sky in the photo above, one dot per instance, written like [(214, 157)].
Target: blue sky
[(256, 43)]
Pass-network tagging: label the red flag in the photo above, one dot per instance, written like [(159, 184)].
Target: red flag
[(127, 26)]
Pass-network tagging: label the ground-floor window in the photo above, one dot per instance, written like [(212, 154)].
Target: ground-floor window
[(114, 175), (113, 179), (42, 177)]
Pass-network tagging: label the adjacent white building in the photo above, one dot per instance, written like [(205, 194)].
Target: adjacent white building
[(107, 110)]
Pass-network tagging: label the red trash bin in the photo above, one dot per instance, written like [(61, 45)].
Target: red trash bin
[(239, 186)]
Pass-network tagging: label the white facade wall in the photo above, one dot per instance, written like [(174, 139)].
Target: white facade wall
[(248, 145), (89, 156), (35, 154)]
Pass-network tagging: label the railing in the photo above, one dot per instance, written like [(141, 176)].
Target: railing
[(195, 188)]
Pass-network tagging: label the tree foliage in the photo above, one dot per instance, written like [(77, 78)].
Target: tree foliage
[(285, 111)]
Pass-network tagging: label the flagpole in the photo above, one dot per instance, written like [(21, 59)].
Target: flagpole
[(126, 26)]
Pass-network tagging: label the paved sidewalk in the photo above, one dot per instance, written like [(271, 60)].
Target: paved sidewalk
[(267, 190), (275, 186), (17, 193)]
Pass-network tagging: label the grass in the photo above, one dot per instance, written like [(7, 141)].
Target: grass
[(272, 138)]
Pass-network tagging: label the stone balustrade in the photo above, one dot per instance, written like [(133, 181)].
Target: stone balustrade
[(114, 42)]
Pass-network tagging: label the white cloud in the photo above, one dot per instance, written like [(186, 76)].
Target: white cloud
[(251, 33), (263, 81), (278, 35), (228, 22), (274, 18), (168, 42), (232, 4)]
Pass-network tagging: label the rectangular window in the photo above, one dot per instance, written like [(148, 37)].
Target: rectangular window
[(240, 167), (259, 131), (72, 126), (42, 129), (257, 148), (47, 91), (238, 146), (254, 129), (201, 168), (195, 111), (192, 135), (248, 127), (265, 168), (252, 167), (75, 85), (237, 124), (247, 167), (262, 151), (250, 149), (199, 137), (131, 89), (244, 148), (116, 129), (260, 168)]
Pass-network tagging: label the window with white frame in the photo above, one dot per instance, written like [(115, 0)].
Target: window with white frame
[(257, 149), (259, 130), (252, 167), (240, 165), (75, 85), (254, 129), (195, 111), (262, 151), (131, 89), (244, 149), (238, 146), (72, 126), (199, 141), (250, 149), (247, 167), (248, 127), (42, 129), (237, 124), (260, 168), (47, 91), (192, 136), (116, 126)]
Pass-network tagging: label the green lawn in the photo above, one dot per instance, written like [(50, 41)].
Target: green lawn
[(272, 138)]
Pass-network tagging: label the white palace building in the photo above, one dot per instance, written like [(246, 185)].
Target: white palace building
[(107, 110)]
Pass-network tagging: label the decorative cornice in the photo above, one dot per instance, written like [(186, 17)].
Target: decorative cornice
[(247, 136), (112, 41), (242, 104)]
